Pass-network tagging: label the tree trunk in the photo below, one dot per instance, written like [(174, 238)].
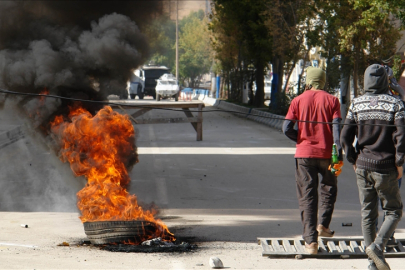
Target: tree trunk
[(302, 72), (259, 74), (250, 89), (289, 75), (345, 86), (355, 71)]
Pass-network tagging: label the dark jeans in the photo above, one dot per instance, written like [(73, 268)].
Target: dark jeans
[(306, 175), (376, 223), (373, 186)]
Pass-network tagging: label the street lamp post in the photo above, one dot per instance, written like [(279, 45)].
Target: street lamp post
[(177, 40)]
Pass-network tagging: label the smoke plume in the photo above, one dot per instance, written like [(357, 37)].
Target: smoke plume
[(78, 49), (76, 44)]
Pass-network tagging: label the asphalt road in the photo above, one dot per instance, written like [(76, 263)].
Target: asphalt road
[(221, 194)]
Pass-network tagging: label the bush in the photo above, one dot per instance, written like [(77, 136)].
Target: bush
[(283, 101)]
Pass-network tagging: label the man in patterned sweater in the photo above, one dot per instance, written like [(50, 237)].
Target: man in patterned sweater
[(377, 119)]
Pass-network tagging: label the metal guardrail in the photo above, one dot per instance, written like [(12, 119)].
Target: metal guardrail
[(263, 117), (11, 136), (328, 248)]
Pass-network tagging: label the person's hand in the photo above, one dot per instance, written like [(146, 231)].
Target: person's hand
[(400, 172), (337, 168), (354, 167)]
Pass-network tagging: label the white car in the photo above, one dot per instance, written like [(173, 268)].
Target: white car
[(167, 86)]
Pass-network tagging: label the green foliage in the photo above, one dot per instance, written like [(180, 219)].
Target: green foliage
[(241, 39), (351, 34), (162, 38), (194, 47), (195, 54), (284, 100), (397, 67)]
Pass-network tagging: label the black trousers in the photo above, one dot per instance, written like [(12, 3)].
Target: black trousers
[(306, 175)]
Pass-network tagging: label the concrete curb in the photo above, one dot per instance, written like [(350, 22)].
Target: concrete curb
[(266, 118)]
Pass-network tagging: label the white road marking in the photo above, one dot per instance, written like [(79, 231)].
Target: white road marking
[(17, 245), (216, 151)]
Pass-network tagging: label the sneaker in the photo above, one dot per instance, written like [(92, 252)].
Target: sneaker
[(375, 253), (312, 248), (392, 242), (325, 232)]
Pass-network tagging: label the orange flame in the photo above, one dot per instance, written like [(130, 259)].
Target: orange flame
[(44, 92), (99, 148)]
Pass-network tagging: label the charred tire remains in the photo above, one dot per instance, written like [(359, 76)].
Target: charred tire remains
[(105, 232), (182, 247)]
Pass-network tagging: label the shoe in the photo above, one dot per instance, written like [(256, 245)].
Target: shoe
[(375, 253), (312, 248), (325, 232), (392, 243), (372, 266)]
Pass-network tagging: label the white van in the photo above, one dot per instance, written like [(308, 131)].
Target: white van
[(136, 84), (143, 80)]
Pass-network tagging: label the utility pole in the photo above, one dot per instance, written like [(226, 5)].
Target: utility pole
[(177, 40)]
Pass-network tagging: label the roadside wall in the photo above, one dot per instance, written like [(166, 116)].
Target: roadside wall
[(266, 118)]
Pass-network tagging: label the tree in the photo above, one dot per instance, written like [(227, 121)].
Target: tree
[(295, 28), (194, 47), (351, 33), (162, 38), (238, 28), (366, 33)]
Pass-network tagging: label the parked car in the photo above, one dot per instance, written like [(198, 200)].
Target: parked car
[(143, 81), (205, 85), (167, 87)]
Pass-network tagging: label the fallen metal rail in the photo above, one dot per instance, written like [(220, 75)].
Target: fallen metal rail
[(344, 248)]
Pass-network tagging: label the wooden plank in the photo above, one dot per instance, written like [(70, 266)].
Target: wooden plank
[(140, 112), (166, 120), (199, 123), (130, 116), (355, 247), (188, 113), (343, 247), (155, 104)]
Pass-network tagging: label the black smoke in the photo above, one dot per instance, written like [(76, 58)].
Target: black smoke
[(72, 44), (76, 49)]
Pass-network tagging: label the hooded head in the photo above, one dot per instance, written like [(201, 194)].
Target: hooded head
[(315, 77), (376, 80)]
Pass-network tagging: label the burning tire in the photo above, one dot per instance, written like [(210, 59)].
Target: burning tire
[(105, 232)]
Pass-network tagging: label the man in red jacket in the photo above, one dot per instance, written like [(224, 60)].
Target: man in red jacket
[(313, 111)]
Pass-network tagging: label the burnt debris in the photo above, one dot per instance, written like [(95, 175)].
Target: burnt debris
[(152, 246)]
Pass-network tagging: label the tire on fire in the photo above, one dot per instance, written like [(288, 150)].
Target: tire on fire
[(105, 232)]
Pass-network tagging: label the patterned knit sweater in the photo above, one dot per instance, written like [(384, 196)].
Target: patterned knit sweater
[(378, 122)]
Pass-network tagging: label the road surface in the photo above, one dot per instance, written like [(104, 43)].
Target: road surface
[(221, 194)]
